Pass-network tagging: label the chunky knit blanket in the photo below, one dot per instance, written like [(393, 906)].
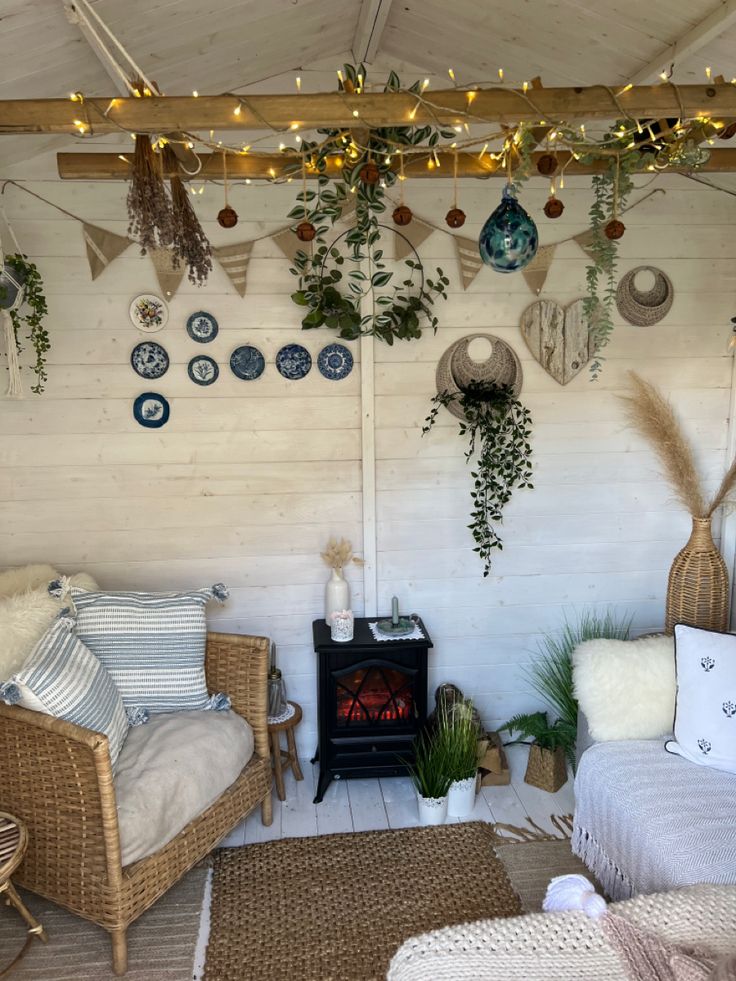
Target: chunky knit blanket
[(647, 821), (568, 946)]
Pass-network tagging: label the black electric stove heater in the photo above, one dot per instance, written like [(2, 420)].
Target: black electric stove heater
[(371, 703)]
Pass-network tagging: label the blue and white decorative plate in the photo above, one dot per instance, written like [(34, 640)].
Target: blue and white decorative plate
[(202, 327), (203, 370), (335, 362), (149, 360), (149, 313), (151, 410), (294, 361), (247, 362)]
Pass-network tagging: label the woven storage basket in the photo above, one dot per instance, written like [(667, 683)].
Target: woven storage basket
[(546, 769), (697, 589)]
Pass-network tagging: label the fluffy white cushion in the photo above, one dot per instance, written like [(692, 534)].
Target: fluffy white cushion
[(26, 616), (705, 721), (172, 769), (626, 688)]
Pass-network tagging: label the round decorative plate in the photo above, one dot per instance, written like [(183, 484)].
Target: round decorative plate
[(149, 313), (151, 410), (203, 370), (247, 362), (335, 362), (149, 360), (294, 361), (202, 327)]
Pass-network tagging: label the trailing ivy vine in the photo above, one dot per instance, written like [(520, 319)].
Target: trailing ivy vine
[(498, 428), (331, 290), (30, 315)]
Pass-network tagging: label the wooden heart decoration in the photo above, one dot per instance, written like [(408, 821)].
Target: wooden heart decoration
[(558, 337)]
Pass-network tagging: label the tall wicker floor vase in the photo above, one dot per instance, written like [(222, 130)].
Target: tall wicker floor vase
[(697, 589)]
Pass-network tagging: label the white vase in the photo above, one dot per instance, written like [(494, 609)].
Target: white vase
[(461, 797), (337, 594), (432, 810)]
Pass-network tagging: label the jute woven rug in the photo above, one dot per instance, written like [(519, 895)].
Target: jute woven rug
[(336, 908)]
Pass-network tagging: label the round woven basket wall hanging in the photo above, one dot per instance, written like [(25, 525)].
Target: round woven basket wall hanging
[(457, 370), (644, 308)]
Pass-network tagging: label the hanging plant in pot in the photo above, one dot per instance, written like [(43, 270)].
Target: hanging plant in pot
[(497, 427), (23, 306)]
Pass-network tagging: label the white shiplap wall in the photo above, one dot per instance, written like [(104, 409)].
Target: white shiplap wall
[(247, 481)]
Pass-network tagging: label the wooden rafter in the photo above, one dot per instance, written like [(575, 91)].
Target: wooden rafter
[(369, 29), (164, 114), (262, 166)]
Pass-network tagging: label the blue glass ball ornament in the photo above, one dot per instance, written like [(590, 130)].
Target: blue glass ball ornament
[(509, 239)]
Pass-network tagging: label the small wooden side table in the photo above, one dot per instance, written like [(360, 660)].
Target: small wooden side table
[(13, 844), (281, 759)]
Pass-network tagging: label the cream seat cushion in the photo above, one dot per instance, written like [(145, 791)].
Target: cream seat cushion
[(171, 770)]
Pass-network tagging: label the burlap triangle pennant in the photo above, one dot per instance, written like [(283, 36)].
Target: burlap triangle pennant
[(234, 260), (535, 273), (469, 258), (289, 243), (102, 247), (415, 232), (169, 276)]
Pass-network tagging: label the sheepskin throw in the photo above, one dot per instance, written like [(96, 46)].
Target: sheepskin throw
[(705, 723), (153, 644), (626, 688), (567, 946)]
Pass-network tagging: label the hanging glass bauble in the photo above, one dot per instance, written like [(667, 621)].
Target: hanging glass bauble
[(508, 240)]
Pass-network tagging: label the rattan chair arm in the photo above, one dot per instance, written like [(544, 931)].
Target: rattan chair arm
[(238, 665)]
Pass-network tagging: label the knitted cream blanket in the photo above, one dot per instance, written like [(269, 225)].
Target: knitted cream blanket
[(567, 946)]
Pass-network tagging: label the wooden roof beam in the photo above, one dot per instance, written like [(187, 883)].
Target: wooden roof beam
[(166, 114), (369, 29), (262, 166), (723, 17)]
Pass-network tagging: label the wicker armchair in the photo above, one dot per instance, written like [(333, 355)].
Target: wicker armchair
[(57, 778)]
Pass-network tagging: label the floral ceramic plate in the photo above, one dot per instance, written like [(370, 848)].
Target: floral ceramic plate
[(151, 410), (202, 327), (247, 363), (149, 313), (149, 360), (335, 362), (203, 370), (294, 361)]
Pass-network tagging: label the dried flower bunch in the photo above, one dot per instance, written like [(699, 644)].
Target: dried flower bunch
[(653, 416), (338, 554), (151, 220), (190, 245)]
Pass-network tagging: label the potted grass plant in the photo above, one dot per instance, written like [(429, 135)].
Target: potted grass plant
[(431, 778), (458, 729)]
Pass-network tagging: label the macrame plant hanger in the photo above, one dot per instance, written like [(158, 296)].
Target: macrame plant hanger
[(15, 383)]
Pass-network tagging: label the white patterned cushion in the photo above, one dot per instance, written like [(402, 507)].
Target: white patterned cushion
[(64, 679), (705, 716), (153, 645)]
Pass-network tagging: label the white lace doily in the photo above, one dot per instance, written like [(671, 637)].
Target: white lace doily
[(274, 720), (416, 633)]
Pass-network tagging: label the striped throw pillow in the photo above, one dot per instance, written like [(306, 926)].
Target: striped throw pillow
[(63, 678), (152, 644)]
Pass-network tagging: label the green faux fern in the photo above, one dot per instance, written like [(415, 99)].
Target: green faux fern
[(536, 726)]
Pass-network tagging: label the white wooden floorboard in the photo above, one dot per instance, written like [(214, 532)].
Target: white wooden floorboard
[(298, 813), (400, 802), (366, 805), (254, 828), (333, 813)]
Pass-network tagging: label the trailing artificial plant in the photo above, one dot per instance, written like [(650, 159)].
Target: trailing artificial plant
[(498, 428), (332, 278), (30, 315)]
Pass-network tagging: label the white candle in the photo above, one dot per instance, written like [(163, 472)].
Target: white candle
[(395, 611)]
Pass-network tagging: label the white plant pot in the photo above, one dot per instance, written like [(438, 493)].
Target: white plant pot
[(461, 797), (432, 810), (337, 595)]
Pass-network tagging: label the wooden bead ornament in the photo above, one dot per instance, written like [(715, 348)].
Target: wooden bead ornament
[(614, 229), (305, 231), (227, 217), (455, 218), (553, 207), (402, 215)]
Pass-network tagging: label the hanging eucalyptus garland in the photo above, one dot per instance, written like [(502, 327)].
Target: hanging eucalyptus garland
[(498, 428), (29, 314)]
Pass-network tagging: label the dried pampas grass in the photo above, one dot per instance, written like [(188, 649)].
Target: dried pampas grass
[(653, 416), (338, 554)]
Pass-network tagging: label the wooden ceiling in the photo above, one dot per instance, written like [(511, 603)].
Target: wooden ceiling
[(223, 45)]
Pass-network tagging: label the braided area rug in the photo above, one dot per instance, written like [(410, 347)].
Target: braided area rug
[(337, 907)]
